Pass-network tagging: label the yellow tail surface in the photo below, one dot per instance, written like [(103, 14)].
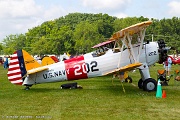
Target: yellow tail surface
[(29, 61)]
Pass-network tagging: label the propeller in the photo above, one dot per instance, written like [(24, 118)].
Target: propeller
[(162, 51)]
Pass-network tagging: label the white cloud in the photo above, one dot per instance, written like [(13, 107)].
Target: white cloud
[(105, 4), (53, 12), (111, 7), (121, 15), (18, 8), (17, 16), (174, 8)]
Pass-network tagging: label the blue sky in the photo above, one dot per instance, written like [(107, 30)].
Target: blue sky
[(17, 16)]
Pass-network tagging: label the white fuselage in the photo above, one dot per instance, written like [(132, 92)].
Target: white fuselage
[(87, 66)]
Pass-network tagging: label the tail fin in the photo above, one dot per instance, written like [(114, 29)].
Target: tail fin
[(20, 63)]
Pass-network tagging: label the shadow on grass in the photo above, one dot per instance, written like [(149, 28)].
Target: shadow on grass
[(42, 89)]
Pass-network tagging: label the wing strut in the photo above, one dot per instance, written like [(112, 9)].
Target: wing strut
[(132, 39), (120, 55), (142, 35), (126, 41)]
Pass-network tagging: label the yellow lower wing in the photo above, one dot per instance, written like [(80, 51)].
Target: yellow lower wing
[(125, 68)]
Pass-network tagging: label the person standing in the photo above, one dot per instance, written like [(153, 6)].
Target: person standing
[(167, 65), (6, 65)]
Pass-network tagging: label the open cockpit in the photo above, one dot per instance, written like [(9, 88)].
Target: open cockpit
[(103, 47)]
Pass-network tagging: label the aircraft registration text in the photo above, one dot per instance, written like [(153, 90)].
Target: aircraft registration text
[(54, 74)]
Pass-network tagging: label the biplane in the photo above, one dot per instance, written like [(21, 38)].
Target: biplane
[(124, 51)]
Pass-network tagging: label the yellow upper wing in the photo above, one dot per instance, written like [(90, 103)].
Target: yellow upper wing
[(131, 30)]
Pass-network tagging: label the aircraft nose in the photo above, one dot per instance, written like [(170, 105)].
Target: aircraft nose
[(162, 51)]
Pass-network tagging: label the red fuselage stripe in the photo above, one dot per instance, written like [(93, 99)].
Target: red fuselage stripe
[(76, 68)]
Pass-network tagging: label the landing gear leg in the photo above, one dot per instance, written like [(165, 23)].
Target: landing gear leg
[(146, 82)]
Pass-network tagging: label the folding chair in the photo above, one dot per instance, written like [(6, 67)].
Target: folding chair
[(176, 77)]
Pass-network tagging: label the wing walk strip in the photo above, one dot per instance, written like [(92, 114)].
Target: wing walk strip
[(14, 73)]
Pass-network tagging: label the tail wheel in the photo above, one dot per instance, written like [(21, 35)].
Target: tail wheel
[(27, 87), (149, 85), (128, 79), (140, 84)]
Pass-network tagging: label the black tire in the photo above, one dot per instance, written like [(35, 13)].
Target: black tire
[(140, 84), (150, 85), (128, 79)]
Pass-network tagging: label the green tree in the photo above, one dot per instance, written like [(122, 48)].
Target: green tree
[(78, 32), (13, 42), (86, 35)]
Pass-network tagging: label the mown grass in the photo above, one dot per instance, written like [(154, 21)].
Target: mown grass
[(98, 99)]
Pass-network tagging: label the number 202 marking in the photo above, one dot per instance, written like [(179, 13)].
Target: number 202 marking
[(152, 53), (85, 68)]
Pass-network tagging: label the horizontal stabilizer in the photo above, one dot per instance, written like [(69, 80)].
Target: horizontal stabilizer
[(32, 71), (125, 68)]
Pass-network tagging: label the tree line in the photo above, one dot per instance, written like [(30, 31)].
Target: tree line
[(76, 33)]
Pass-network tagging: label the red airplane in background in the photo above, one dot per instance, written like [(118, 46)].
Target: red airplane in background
[(175, 60)]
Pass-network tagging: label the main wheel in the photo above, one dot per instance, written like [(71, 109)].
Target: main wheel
[(140, 84), (149, 85)]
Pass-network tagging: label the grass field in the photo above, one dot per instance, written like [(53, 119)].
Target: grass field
[(98, 100)]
